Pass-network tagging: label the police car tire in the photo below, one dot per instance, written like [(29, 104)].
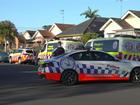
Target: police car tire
[(19, 60), (10, 60), (69, 77), (135, 76)]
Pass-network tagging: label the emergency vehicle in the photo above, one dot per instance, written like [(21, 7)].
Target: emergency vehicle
[(68, 45), (124, 48), (22, 56), (88, 65)]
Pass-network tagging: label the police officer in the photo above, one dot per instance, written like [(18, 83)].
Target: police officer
[(59, 50)]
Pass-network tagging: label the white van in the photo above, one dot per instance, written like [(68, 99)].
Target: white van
[(68, 45), (125, 48)]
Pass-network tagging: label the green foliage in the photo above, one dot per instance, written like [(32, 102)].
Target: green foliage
[(7, 30), (88, 36), (46, 27), (90, 14)]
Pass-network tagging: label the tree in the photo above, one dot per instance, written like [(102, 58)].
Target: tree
[(88, 36), (90, 14), (46, 27), (8, 32)]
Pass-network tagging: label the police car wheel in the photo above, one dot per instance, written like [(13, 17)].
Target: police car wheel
[(19, 61), (69, 77), (135, 76), (10, 60)]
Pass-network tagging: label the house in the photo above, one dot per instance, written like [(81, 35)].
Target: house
[(28, 38), (89, 26), (29, 34), (20, 41), (41, 36), (128, 24), (58, 28)]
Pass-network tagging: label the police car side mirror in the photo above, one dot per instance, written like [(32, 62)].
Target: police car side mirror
[(88, 48)]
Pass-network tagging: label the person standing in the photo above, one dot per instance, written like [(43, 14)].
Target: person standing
[(59, 50)]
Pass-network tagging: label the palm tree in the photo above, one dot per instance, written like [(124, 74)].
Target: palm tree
[(8, 32), (46, 27), (90, 14)]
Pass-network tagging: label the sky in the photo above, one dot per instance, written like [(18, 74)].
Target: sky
[(33, 14)]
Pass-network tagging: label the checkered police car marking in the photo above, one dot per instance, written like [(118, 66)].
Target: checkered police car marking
[(67, 63), (88, 69)]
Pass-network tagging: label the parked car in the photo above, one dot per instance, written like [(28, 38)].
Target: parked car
[(85, 65), (22, 56), (4, 57)]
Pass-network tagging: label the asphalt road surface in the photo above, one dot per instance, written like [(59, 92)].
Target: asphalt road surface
[(20, 85)]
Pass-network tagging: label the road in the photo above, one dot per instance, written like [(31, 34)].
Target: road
[(20, 85)]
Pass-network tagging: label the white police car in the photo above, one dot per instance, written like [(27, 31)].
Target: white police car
[(85, 65)]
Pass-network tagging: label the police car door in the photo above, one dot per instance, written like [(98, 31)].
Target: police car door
[(107, 66), (87, 63)]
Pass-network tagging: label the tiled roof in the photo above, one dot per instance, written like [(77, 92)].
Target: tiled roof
[(46, 34), (31, 32), (91, 25), (21, 38), (137, 13), (122, 23), (64, 26)]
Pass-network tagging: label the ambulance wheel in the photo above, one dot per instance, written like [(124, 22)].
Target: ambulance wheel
[(19, 60), (69, 77), (135, 76)]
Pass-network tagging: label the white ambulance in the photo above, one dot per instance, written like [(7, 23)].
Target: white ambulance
[(49, 47), (124, 48)]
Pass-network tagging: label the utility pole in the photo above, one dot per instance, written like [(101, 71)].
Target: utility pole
[(121, 6), (62, 14)]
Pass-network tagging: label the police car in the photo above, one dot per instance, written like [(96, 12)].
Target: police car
[(88, 65), (21, 56)]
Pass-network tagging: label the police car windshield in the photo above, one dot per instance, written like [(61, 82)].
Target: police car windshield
[(106, 45), (59, 56)]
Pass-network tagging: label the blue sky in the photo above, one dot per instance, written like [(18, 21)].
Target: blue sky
[(33, 14)]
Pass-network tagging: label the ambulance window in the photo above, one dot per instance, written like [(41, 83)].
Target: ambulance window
[(74, 46), (106, 45), (44, 48), (52, 46), (88, 44), (129, 46), (138, 47)]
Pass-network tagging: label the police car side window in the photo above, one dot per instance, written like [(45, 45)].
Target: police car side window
[(82, 56), (86, 56), (103, 57), (76, 56)]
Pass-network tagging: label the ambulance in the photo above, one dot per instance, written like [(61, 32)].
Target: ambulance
[(124, 48), (68, 45)]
